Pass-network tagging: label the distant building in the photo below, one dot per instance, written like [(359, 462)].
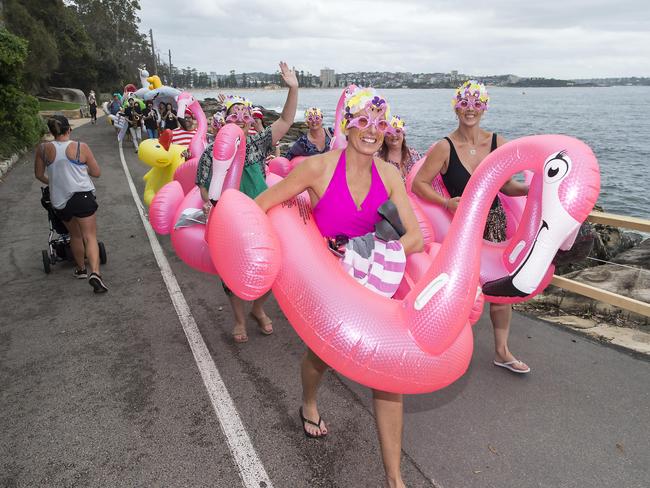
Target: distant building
[(327, 78)]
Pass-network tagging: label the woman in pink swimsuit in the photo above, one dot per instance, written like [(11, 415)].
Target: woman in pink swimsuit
[(346, 189)]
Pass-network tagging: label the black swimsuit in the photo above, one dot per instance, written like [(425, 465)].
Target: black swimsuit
[(457, 176), (456, 179)]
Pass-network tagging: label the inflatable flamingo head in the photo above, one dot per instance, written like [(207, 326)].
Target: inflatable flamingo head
[(570, 188), (184, 100)]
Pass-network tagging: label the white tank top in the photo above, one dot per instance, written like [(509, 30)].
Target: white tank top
[(66, 176)]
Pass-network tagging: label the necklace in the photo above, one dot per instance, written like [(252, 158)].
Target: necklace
[(472, 151)]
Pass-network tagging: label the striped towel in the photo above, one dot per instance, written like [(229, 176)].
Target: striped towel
[(182, 137), (376, 264)]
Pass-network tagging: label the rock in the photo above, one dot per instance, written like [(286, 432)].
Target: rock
[(632, 281), (73, 95)]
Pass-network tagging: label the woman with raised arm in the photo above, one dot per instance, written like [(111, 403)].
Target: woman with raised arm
[(258, 147), (456, 157)]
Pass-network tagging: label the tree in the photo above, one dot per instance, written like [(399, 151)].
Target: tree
[(20, 124), (42, 55)]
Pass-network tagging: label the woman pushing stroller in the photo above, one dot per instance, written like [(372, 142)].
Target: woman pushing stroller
[(66, 166)]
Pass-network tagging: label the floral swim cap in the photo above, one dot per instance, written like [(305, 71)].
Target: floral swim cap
[(359, 99), (313, 112), (396, 122), (231, 100), (473, 89)]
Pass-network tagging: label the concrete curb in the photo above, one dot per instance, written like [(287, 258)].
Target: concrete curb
[(633, 341)]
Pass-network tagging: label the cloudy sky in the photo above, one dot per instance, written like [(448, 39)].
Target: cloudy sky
[(549, 38)]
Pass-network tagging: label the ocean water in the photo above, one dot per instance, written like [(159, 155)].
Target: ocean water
[(613, 121)]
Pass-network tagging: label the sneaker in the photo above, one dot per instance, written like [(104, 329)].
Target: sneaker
[(96, 282), (80, 274)]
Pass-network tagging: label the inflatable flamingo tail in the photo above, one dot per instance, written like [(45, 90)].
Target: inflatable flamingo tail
[(164, 206), (185, 174)]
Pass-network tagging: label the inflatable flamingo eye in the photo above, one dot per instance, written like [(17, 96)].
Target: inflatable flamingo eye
[(556, 167)]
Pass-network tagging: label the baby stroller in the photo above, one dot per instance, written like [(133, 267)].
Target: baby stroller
[(58, 242)]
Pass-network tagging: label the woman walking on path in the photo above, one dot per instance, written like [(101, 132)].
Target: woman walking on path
[(92, 107), (346, 190), (456, 157), (69, 165), (258, 147)]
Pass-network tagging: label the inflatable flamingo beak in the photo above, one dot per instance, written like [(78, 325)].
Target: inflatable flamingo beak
[(557, 227), (182, 106), (228, 153)]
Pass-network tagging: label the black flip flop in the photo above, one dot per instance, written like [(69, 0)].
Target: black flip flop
[(307, 421)]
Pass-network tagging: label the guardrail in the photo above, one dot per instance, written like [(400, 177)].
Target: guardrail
[(605, 296)]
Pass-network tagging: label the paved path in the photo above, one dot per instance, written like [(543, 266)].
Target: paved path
[(105, 391)]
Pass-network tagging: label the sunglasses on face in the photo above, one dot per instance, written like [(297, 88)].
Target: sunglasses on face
[(314, 119), (239, 117), (362, 122), (470, 103)]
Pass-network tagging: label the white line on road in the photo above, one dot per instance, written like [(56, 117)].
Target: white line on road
[(250, 467)]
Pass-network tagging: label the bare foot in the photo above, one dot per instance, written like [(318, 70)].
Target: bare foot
[(313, 428)]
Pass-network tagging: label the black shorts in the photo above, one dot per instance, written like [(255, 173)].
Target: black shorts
[(81, 204)]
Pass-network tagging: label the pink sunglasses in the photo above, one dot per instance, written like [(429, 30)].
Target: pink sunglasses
[(467, 103), (239, 117), (363, 122)]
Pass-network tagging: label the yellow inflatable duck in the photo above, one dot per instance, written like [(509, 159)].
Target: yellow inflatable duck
[(154, 82), (163, 164)]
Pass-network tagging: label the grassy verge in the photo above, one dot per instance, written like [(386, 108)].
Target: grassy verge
[(50, 105)]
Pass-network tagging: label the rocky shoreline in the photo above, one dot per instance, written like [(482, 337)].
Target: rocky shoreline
[(211, 105)]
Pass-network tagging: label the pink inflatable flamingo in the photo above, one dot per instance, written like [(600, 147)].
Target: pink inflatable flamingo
[(186, 173), (174, 212), (422, 342)]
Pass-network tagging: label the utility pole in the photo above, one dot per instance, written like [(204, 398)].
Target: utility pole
[(171, 71), (153, 53)]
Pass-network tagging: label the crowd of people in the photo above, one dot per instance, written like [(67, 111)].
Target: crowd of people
[(346, 188)]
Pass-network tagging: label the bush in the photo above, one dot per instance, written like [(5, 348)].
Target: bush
[(20, 124)]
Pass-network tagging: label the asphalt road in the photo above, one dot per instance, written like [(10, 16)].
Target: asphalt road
[(105, 391)]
